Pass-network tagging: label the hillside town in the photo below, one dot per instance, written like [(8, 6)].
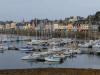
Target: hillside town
[(74, 24)]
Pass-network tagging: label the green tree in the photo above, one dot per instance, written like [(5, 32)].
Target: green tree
[(97, 16)]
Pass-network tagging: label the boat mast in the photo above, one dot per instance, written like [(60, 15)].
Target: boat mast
[(36, 29)]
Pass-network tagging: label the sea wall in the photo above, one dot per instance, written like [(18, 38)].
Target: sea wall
[(55, 34)]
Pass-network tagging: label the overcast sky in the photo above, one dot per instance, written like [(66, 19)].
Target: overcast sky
[(53, 9)]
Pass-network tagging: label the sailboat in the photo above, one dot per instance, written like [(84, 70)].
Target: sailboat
[(2, 46)]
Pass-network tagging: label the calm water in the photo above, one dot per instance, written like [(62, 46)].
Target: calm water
[(11, 59)]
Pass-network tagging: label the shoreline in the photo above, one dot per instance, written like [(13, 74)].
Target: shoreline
[(50, 71), (52, 34)]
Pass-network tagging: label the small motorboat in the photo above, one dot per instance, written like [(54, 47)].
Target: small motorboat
[(88, 44), (53, 43), (59, 56), (77, 51), (29, 57), (38, 48), (33, 56), (12, 47), (1, 50), (66, 53), (35, 42), (97, 45), (53, 59), (97, 52), (85, 45), (2, 47), (26, 48)]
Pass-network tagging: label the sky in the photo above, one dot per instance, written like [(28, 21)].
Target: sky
[(17, 10)]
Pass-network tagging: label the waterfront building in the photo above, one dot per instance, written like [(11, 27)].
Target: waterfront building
[(95, 28), (33, 26), (65, 27), (85, 27), (61, 27), (75, 28), (48, 27), (7, 26), (20, 26), (55, 27), (13, 26), (1, 27), (37, 28), (28, 26), (70, 27), (41, 26), (75, 19), (79, 28)]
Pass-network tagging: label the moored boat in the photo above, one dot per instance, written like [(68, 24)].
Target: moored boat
[(59, 56), (26, 48), (53, 59), (97, 45), (31, 57)]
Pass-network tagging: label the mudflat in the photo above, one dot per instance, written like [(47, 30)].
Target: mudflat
[(50, 71)]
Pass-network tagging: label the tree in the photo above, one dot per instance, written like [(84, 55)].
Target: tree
[(97, 16)]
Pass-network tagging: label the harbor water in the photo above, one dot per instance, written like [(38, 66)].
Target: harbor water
[(11, 59)]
